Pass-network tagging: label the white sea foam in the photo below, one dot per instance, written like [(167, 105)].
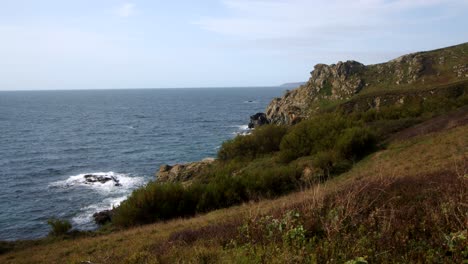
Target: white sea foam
[(241, 127), (112, 194), (243, 133), (86, 213), (242, 130), (78, 181), (244, 127)]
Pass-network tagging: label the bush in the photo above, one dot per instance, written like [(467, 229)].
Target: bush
[(355, 143), (59, 227), (313, 136), (158, 201), (263, 140), (325, 161)]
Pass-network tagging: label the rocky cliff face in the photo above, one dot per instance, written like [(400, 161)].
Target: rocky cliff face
[(182, 172), (330, 84), (333, 82)]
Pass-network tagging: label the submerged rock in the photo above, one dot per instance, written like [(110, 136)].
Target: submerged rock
[(182, 172), (259, 119), (92, 178)]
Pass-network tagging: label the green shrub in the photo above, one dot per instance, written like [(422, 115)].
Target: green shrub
[(59, 227), (263, 140), (158, 201), (325, 161), (312, 136), (355, 143)]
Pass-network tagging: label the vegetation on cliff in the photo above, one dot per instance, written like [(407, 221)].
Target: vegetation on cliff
[(403, 204), (380, 176), (275, 160)]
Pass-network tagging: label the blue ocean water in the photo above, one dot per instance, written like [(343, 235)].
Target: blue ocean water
[(50, 139)]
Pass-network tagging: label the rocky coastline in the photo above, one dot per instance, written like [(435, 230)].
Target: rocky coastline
[(340, 84)]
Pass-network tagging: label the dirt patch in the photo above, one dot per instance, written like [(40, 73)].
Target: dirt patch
[(444, 122)]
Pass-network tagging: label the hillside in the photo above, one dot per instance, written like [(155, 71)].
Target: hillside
[(404, 204), (337, 83), (362, 164)]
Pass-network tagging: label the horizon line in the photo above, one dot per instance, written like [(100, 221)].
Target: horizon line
[(146, 88)]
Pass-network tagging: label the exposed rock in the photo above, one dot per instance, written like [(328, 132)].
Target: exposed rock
[(461, 70), (91, 178), (259, 119), (336, 82), (409, 68), (103, 217), (333, 84), (182, 172)]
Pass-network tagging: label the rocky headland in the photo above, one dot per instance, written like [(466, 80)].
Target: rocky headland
[(337, 83)]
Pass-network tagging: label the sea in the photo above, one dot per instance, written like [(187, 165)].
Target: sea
[(49, 140)]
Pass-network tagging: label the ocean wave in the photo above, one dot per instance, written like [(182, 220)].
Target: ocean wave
[(241, 127), (85, 216), (125, 182), (242, 130), (244, 133)]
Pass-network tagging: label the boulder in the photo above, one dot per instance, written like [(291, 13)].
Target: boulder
[(182, 172), (259, 119), (103, 217)]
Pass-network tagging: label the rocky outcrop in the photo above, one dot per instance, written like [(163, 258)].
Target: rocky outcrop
[(259, 119), (337, 81), (91, 178), (461, 70), (333, 84), (182, 172)]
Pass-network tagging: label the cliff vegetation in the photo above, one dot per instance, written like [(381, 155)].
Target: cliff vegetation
[(362, 164)]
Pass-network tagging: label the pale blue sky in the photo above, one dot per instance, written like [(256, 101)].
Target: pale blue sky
[(87, 44)]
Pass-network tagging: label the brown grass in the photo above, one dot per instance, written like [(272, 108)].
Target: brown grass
[(393, 206)]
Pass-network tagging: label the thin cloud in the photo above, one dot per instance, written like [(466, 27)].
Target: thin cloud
[(125, 10), (304, 19)]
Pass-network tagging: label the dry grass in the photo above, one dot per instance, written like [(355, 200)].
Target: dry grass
[(413, 185)]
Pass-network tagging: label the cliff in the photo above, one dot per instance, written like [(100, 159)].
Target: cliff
[(331, 85)]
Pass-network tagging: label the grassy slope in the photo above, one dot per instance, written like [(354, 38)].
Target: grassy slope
[(201, 238), (438, 70)]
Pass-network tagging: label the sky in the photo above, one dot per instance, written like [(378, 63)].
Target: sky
[(104, 44)]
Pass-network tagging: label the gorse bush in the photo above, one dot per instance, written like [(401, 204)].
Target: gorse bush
[(158, 201), (330, 138), (263, 140), (155, 202), (312, 136), (59, 227), (355, 142)]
